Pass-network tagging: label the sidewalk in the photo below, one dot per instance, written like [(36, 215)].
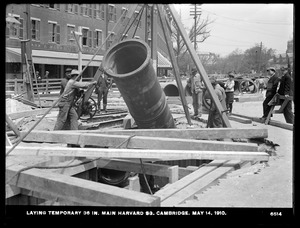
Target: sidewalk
[(258, 185)]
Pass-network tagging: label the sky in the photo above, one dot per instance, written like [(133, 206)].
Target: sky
[(242, 26)]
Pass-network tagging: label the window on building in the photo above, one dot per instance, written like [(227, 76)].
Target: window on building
[(35, 29), (123, 13), (102, 11), (124, 36), (86, 37), (70, 8), (21, 27), (54, 32), (137, 22), (70, 35), (110, 39), (14, 30), (86, 10), (97, 38), (149, 42), (112, 13), (54, 6)]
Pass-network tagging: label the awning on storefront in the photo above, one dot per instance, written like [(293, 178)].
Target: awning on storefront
[(163, 62), (12, 56), (57, 58)]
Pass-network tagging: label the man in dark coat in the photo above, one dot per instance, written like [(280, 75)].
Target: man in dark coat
[(271, 91), (101, 89), (286, 89)]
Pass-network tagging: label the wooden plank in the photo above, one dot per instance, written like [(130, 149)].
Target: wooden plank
[(271, 122), (7, 141), (11, 190), (240, 119), (134, 183), (199, 133), (164, 155), (77, 190), (134, 166), (173, 188), (173, 174), (18, 115), (199, 184), (149, 168), (11, 124), (174, 61), (135, 142)]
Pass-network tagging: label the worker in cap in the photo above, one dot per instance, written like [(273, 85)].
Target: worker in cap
[(229, 90), (65, 80), (67, 111), (214, 118), (197, 86), (271, 69), (272, 85)]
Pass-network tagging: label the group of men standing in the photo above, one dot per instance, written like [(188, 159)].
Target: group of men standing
[(279, 84), (225, 96)]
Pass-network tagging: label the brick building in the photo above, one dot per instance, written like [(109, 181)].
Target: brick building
[(51, 32)]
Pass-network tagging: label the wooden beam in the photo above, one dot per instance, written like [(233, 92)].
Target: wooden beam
[(18, 115), (199, 65), (76, 189), (199, 184), (136, 142), (11, 124), (11, 190), (199, 133), (171, 189), (139, 153), (169, 43), (271, 122), (240, 119)]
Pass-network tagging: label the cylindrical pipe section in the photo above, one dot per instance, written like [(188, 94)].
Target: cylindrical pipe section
[(130, 65)]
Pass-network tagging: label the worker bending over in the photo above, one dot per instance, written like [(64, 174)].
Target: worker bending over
[(66, 104)]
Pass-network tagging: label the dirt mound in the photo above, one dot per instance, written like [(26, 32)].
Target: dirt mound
[(13, 106)]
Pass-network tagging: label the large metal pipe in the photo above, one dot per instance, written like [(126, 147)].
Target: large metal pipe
[(130, 65)]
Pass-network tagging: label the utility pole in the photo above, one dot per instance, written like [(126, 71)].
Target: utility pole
[(259, 61), (27, 51), (195, 12)]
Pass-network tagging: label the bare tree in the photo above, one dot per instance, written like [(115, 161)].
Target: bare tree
[(180, 49)]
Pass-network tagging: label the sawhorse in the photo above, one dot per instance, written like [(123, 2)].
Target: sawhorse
[(275, 102)]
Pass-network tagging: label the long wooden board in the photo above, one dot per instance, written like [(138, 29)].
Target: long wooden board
[(171, 189), (199, 184), (271, 122), (164, 155), (18, 115), (199, 133), (136, 142), (76, 189)]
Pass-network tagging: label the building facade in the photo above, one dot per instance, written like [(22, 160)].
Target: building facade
[(51, 27)]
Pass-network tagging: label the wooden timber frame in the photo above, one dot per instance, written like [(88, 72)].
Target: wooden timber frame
[(77, 185)]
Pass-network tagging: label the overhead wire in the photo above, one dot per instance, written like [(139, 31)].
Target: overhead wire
[(247, 21)]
